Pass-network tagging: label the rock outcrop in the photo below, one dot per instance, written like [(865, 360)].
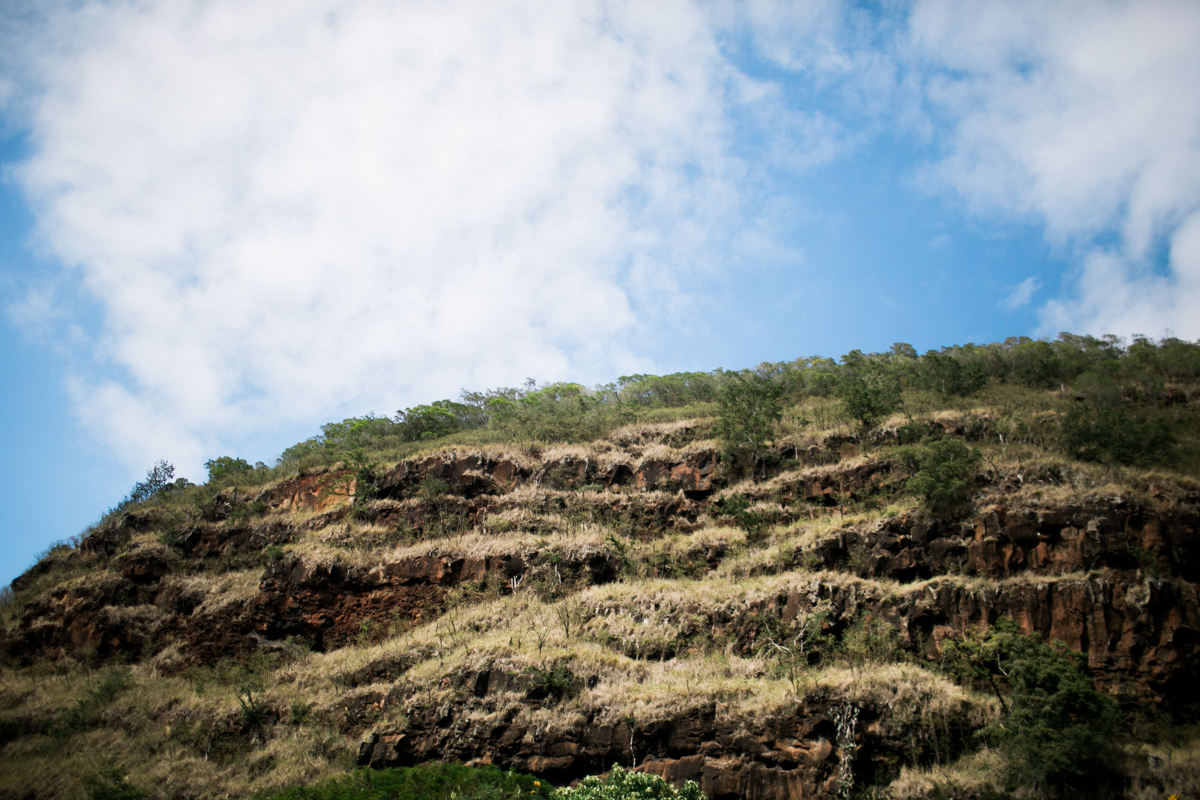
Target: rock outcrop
[(1114, 578)]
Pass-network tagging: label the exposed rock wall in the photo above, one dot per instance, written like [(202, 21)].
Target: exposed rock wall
[(1115, 579)]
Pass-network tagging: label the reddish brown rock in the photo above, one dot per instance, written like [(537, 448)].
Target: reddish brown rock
[(318, 491)]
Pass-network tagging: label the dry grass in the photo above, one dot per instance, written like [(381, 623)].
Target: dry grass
[(668, 638), (970, 776), (1158, 771), (221, 591)]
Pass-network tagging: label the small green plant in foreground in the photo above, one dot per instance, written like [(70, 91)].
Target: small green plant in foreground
[(425, 782), (622, 785)]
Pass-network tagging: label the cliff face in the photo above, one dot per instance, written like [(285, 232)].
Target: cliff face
[(559, 611)]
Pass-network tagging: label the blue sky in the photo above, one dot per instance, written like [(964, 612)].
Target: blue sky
[(222, 224)]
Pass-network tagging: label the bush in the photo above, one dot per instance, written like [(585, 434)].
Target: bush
[(623, 785), (948, 375), (86, 711), (943, 472), (559, 412), (438, 419), (669, 391), (557, 681), (871, 640)]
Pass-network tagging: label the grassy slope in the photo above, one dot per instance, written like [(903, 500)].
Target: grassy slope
[(179, 729)]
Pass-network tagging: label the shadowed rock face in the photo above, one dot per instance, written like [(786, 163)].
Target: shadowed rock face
[(1115, 580), (783, 757)]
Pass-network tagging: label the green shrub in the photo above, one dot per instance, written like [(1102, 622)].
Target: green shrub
[(754, 523), (671, 391), (439, 418), (943, 472), (425, 782), (86, 711), (557, 681), (622, 785), (159, 479), (870, 640), (559, 412)]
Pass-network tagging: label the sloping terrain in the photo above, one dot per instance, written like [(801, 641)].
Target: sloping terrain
[(558, 608)]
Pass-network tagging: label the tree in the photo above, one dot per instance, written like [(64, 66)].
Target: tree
[(948, 375), (439, 418), (1057, 731), (224, 467), (158, 478), (870, 392), (1100, 428), (749, 406)]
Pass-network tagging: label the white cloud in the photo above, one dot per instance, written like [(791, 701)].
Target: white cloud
[(291, 208), (1117, 297), (1084, 115), (1022, 293)]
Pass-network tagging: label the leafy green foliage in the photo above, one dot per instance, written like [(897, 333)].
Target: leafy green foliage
[(947, 375), (749, 406), (620, 784), (224, 468), (870, 640), (869, 391), (159, 479), (438, 419), (254, 713), (425, 782), (943, 472), (556, 680), (366, 480), (1057, 732), (338, 439), (1036, 364), (560, 412), (86, 711), (754, 523), (1108, 432), (671, 391), (869, 386)]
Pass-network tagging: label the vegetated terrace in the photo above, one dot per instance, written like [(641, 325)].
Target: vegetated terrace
[(776, 581)]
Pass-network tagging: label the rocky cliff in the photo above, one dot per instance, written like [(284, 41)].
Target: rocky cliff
[(558, 610)]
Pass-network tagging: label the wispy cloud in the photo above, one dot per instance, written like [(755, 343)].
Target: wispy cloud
[(1022, 293), (290, 208), (1084, 116), (284, 210)]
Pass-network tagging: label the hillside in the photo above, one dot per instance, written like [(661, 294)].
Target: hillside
[(787, 582)]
